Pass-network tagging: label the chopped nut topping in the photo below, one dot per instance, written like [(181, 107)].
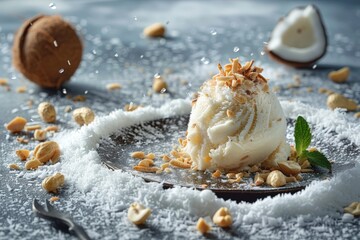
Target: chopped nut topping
[(146, 169), (54, 199), (202, 226), (14, 166), (166, 158), (113, 86), (79, 98), (159, 85), (52, 128), (83, 116), (336, 100), (276, 179), (353, 208), (3, 82), (222, 218), (289, 167), (139, 155), (47, 151), (150, 156), (23, 154), (40, 135), (47, 112), (22, 140), (339, 76), (30, 128), (179, 164), (146, 162), (357, 115), (138, 214), (21, 89), (67, 109), (155, 30), (131, 107), (216, 174), (16, 125), (53, 183), (32, 164), (230, 113)]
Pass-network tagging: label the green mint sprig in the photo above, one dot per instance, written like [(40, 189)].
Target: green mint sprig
[(302, 135)]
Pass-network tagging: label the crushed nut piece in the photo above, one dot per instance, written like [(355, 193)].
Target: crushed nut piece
[(179, 164), (159, 85), (150, 156), (357, 115), (146, 169), (47, 151), (340, 76), (276, 179), (222, 218), (52, 128), (336, 100), (47, 112), (14, 166), (166, 158), (139, 155), (113, 86), (79, 98), (138, 214), (22, 140), (30, 128), (67, 109), (23, 154), (353, 208), (3, 82), (155, 30), (32, 164), (146, 162), (21, 89), (216, 174), (39, 135), (289, 167), (202, 226), (83, 116), (16, 125), (131, 107), (53, 183), (54, 199)]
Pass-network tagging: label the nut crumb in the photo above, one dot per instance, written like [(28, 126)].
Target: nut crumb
[(23, 154), (138, 214), (32, 164), (47, 112), (113, 86), (159, 85), (139, 155), (340, 76), (16, 125), (202, 226), (155, 30), (83, 116), (3, 82), (30, 128), (14, 166), (336, 100), (222, 218), (54, 199), (40, 135), (21, 89), (53, 183), (353, 208)]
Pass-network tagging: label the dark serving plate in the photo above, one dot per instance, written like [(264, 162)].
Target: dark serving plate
[(160, 136)]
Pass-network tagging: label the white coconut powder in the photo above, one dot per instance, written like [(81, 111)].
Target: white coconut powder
[(81, 165)]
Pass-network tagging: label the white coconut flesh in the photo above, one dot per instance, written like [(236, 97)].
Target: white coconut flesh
[(299, 37)]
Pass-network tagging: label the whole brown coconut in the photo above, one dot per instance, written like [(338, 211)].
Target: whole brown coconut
[(47, 50)]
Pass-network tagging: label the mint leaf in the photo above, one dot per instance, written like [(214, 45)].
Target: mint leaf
[(302, 135), (318, 159)]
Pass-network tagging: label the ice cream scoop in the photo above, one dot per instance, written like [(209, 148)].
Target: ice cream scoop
[(236, 121)]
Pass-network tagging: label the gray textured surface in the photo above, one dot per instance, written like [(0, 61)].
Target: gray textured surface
[(116, 51)]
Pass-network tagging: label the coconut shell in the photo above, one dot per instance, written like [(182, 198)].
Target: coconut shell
[(47, 51), (279, 59)]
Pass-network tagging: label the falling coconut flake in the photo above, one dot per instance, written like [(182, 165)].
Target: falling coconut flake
[(52, 6)]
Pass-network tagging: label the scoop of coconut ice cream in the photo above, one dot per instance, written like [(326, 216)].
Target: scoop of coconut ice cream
[(236, 122)]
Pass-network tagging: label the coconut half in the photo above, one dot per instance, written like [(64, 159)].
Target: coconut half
[(299, 39)]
